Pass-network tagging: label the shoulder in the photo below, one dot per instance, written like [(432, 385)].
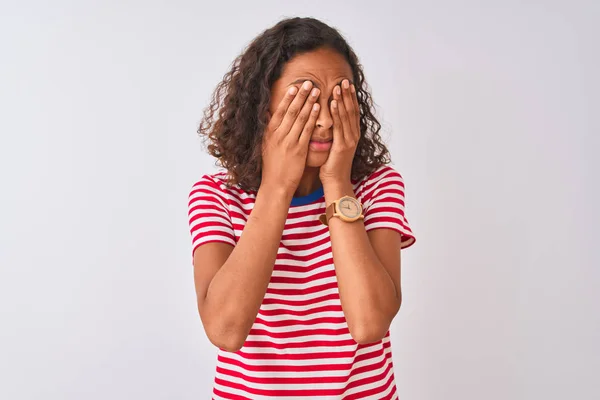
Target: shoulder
[(216, 180), (217, 185), (212, 186), (384, 173), (384, 176)]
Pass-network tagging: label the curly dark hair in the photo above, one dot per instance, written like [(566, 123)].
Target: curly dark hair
[(236, 118)]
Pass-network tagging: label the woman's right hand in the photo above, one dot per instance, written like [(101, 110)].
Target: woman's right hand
[(286, 139)]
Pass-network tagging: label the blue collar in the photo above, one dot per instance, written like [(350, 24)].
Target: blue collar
[(309, 198)]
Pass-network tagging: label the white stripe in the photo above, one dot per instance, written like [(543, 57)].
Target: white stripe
[(202, 208), (216, 223), (226, 231), (324, 303), (322, 230), (287, 317), (305, 242), (287, 374), (307, 265), (397, 207), (296, 328), (209, 238), (296, 297), (298, 350), (284, 362), (259, 386)]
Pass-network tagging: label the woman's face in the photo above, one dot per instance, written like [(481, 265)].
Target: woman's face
[(325, 68)]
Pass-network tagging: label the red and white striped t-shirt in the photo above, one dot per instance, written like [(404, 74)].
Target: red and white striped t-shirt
[(299, 346)]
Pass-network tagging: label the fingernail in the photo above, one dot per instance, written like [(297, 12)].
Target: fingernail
[(316, 107), (315, 92), (292, 90), (307, 85), (334, 104), (338, 90), (346, 84)]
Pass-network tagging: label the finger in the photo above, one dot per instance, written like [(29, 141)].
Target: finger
[(294, 108), (347, 129), (356, 107), (338, 134), (351, 109), (347, 96), (304, 115), (277, 117), (309, 127), (354, 96)]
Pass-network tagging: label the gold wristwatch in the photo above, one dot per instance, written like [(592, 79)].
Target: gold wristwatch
[(348, 209)]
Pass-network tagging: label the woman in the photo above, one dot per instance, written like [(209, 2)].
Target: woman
[(296, 244)]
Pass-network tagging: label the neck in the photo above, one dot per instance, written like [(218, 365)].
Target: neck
[(309, 182)]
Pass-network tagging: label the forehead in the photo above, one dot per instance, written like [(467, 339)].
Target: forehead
[(322, 63)]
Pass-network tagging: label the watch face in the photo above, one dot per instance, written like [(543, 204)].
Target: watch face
[(349, 207)]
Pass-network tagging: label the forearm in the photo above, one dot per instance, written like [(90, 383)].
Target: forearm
[(238, 288), (367, 292)]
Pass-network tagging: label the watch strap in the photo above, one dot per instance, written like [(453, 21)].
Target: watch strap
[(329, 212)]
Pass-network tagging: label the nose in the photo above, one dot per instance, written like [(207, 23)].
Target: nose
[(324, 120)]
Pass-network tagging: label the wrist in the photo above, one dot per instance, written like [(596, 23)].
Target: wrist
[(334, 190), (337, 176), (273, 191)]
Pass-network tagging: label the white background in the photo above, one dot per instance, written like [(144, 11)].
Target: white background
[(491, 113)]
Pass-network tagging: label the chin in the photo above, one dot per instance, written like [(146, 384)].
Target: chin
[(316, 159)]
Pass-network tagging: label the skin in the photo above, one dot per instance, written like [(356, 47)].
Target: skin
[(325, 69), (231, 281)]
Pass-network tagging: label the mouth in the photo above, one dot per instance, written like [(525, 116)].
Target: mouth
[(320, 144)]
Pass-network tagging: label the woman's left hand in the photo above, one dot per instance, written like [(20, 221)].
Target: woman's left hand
[(346, 132)]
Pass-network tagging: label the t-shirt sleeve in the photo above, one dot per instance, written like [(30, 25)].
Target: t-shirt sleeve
[(208, 213), (383, 205)]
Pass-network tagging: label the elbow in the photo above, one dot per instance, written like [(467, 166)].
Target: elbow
[(367, 335), (368, 332), (226, 343), (367, 329), (371, 324), (226, 336)]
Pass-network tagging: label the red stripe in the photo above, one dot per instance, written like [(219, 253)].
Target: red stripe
[(281, 393), (307, 279), (229, 395), (300, 292), (300, 303), (199, 236), (297, 356), (307, 345), (299, 258), (299, 333), (299, 322), (311, 243)]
